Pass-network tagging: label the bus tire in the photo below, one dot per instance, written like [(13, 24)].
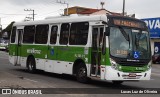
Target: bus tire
[(31, 66), (117, 82), (81, 73)]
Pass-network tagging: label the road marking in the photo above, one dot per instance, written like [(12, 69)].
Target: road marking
[(30, 80)]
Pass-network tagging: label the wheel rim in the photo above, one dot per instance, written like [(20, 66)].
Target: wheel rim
[(30, 66), (82, 73)]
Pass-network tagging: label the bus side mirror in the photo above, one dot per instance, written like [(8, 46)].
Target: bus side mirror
[(107, 33)]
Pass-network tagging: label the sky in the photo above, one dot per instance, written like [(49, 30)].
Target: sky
[(13, 10)]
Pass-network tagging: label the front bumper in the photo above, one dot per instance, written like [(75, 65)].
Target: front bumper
[(112, 74)]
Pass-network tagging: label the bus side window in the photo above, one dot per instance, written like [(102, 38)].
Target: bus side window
[(13, 36), (73, 32), (64, 33), (41, 35), (54, 30), (79, 33), (28, 36)]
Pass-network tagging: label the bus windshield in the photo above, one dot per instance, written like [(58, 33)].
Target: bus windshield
[(129, 43)]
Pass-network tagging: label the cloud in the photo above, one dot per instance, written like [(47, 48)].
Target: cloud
[(44, 8), (25, 2)]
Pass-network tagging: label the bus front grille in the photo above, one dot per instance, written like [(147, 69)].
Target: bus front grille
[(134, 64)]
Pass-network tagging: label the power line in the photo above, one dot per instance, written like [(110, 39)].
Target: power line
[(44, 5), (11, 14), (49, 12), (33, 8)]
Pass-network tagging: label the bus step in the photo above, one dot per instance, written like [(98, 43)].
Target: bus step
[(93, 75)]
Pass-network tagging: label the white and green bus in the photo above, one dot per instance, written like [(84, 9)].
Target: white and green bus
[(104, 47)]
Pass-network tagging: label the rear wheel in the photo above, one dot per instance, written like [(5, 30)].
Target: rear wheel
[(82, 73), (31, 65)]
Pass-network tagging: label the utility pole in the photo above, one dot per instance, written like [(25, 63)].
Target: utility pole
[(123, 7), (30, 10), (64, 3)]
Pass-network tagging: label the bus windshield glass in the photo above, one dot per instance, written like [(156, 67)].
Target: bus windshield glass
[(129, 43)]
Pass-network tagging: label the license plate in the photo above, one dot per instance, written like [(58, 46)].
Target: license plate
[(132, 75)]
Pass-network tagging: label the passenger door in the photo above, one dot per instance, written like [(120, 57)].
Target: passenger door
[(96, 51), (19, 42)]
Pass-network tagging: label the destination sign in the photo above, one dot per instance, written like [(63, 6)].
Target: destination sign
[(128, 23)]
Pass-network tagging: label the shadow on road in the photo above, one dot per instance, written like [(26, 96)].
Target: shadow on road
[(94, 83)]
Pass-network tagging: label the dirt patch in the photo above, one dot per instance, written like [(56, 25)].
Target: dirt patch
[(8, 80)]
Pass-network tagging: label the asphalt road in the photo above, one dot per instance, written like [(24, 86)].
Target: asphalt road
[(18, 77)]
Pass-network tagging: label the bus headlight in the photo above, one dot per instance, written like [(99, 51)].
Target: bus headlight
[(149, 65), (113, 64)]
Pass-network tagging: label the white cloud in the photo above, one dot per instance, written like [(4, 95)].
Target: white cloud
[(44, 8)]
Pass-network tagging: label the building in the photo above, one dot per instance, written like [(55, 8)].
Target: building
[(76, 10), (87, 11), (154, 29)]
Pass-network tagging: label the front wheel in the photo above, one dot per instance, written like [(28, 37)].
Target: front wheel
[(31, 65), (82, 73)]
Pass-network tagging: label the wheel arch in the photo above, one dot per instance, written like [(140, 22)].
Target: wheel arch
[(30, 56), (76, 64)]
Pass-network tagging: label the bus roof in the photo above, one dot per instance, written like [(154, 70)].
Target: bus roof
[(64, 19)]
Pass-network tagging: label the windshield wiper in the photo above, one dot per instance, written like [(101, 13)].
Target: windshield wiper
[(137, 38), (139, 35), (126, 36), (124, 33)]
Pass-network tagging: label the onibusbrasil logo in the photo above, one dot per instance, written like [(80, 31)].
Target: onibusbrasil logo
[(21, 91)]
